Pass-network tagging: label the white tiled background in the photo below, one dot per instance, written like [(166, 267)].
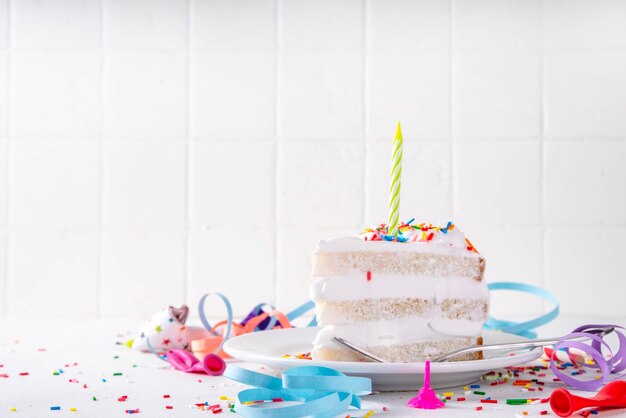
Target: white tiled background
[(154, 150)]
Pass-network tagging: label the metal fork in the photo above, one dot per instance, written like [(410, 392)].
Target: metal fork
[(601, 332)]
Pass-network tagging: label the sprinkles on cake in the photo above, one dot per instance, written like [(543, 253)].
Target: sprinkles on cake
[(407, 232)]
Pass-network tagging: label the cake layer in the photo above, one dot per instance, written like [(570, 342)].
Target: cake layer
[(402, 331), (407, 353), (350, 311), (328, 264), (357, 285)]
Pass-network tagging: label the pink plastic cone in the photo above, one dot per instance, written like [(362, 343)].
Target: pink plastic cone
[(426, 397)]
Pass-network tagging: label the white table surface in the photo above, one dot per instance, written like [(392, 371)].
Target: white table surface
[(39, 348)]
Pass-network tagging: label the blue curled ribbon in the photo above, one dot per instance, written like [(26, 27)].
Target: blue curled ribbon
[(526, 328), (321, 392), (229, 316)]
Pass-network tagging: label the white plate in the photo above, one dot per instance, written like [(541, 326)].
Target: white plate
[(268, 347)]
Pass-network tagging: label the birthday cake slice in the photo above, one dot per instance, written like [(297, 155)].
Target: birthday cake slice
[(416, 295)]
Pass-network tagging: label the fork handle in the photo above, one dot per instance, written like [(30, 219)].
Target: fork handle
[(492, 347)]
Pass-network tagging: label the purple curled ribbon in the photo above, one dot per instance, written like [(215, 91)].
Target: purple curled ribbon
[(612, 366)]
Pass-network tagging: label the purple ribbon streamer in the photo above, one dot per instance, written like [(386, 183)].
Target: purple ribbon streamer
[(610, 367)]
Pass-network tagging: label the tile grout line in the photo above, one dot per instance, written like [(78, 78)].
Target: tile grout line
[(101, 151), (543, 158), (276, 151), (451, 130), (186, 282), (9, 164), (365, 115)]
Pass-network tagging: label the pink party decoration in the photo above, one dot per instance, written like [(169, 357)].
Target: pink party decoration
[(184, 361), (426, 397), (613, 395)]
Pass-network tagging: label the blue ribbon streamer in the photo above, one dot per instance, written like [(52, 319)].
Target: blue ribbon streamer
[(229, 317), (526, 328), (320, 392)]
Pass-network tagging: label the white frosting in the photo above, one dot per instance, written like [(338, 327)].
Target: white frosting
[(455, 246), (398, 331), (355, 286)]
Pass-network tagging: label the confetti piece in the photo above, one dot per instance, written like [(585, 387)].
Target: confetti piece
[(117, 374), (12, 409), (73, 409), (169, 407), (478, 392), (474, 386), (489, 401), (24, 374), (478, 408), (55, 408), (93, 398), (166, 396)]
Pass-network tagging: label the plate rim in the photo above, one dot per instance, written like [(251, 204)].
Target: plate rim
[(376, 368)]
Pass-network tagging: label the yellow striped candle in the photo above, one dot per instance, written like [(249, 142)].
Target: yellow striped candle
[(394, 190)]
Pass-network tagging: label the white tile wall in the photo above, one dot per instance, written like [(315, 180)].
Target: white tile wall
[(218, 198), (497, 94), (577, 266), (144, 185), (56, 185), (151, 151), (227, 85), (55, 95), (63, 24), (321, 95), (585, 91), (145, 25), (4, 95), (233, 25), (506, 24), (145, 95), (141, 271), (4, 23), (52, 274), (497, 183), (3, 272), (409, 85), (585, 182)]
